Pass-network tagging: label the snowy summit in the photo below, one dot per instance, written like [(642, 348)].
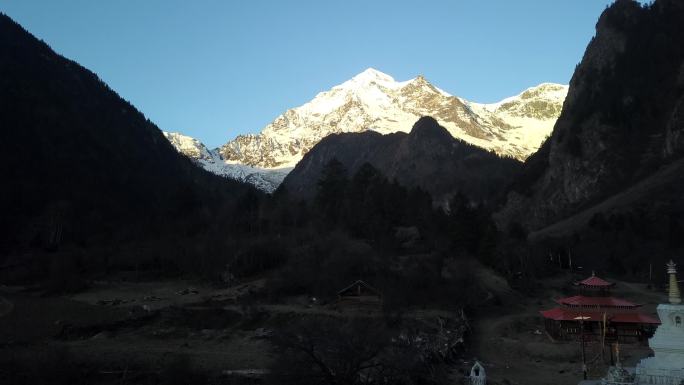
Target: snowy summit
[(373, 100)]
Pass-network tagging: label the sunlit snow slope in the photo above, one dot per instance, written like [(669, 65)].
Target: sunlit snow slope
[(372, 100), (264, 179)]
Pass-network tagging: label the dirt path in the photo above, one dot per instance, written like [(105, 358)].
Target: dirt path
[(511, 343), (514, 348)]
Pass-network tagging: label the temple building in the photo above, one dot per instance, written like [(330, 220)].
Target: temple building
[(666, 366), (593, 309)]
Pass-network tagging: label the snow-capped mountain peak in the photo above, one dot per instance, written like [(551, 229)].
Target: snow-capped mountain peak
[(188, 145), (373, 100), (551, 93), (368, 77)]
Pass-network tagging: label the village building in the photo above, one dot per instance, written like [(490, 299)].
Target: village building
[(594, 311), (359, 295)]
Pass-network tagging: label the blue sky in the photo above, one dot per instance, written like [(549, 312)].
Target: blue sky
[(216, 68)]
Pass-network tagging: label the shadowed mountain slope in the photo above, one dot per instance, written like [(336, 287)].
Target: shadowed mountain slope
[(622, 119), (608, 183), (428, 157), (77, 160)]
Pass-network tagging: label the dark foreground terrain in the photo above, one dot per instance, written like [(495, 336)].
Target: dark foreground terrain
[(178, 331), (124, 263)]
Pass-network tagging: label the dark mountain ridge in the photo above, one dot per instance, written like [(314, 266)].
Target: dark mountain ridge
[(79, 162), (622, 118), (428, 157), (608, 181)]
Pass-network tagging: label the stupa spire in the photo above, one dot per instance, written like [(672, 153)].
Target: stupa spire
[(674, 294)]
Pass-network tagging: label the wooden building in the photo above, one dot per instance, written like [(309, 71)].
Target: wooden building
[(359, 295), (596, 311)]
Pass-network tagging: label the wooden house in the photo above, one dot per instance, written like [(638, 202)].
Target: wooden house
[(359, 294)]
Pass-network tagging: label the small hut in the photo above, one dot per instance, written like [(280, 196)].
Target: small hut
[(358, 294)]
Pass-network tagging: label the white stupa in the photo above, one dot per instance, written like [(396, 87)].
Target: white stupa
[(666, 367)]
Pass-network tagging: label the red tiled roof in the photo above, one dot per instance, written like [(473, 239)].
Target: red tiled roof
[(560, 314), (635, 318), (595, 281), (580, 300)]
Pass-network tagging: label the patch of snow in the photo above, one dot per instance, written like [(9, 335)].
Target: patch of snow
[(265, 179)]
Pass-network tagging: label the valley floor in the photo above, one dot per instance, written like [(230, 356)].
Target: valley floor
[(125, 329)]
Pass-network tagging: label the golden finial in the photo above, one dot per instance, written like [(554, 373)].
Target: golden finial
[(674, 294)]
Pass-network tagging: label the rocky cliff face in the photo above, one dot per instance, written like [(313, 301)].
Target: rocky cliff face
[(621, 121), (427, 157), (374, 101)]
